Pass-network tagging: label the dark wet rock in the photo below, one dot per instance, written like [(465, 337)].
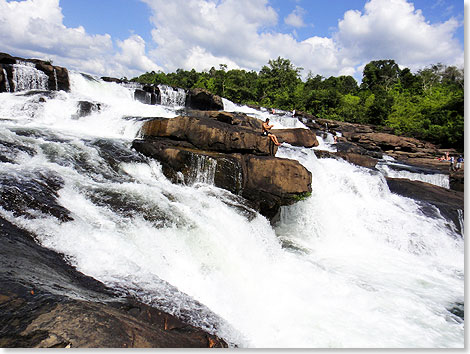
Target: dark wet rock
[(449, 202), (9, 151), (85, 108), (112, 79), (347, 147), (25, 195), (456, 180), (356, 159), (144, 96), (203, 100), (46, 303)]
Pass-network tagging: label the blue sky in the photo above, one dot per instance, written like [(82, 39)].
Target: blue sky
[(335, 37)]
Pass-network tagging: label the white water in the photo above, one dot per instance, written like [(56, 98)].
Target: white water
[(172, 97), (27, 77), (279, 122), (351, 266), (437, 179), (7, 85)]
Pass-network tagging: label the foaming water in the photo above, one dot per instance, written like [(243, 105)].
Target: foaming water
[(353, 265), (437, 179), (280, 121), (119, 116)]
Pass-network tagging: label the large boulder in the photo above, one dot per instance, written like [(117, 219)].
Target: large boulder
[(239, 119), (296, 137), (202, 99), (267, 182), (209, 134)]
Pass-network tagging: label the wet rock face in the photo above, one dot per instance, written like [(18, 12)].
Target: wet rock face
[(36, 193), (203, 100), (46, 303), (449, 202), (57, 77)]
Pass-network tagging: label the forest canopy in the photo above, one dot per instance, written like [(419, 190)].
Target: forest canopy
[(428, 104)]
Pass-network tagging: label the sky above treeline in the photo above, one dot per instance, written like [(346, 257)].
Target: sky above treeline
[(126, 38)]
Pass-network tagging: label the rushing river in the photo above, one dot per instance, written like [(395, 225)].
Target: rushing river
[(351, 266)]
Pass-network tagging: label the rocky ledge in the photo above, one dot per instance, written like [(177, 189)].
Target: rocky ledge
[(229, 151), (46, 303), (364, 145)]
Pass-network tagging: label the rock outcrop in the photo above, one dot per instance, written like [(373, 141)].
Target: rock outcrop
[(363, 144), (227, 150), (202, 99), (57, 77), (296, 137), (208, 134), (46, 303)]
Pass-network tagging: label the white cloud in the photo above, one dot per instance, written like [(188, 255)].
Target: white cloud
[(204, 33), (393, 29), (240, 33), (296, 18), (35, 29)]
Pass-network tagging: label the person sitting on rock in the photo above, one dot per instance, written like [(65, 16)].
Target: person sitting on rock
[(266, 128)]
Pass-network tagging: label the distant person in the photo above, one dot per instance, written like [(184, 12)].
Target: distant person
[(451, 166), (293, 113), (266, 132), (458, 166), (447, 156)]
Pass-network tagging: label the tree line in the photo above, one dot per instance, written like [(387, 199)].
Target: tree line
[(428, 104)]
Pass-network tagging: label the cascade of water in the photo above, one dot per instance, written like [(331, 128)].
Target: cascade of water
[(437, 179), (280, 121), (7, 85), (202, 169), (55, 80), (172, 97), (27, 77), (353, 265)]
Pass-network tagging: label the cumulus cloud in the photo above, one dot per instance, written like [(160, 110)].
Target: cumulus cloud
[(394, 29), (201, 33), (35, 29), (296, 17), (240, 33)]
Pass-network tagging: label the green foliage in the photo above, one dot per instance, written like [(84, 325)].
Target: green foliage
[(427, 105)]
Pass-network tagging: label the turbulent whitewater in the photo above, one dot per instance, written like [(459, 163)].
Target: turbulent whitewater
[(351, 266)]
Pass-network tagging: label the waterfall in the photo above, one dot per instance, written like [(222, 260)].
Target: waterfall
[(7, 85), (27, 77), (55, 80), (202, 169), (172, 97), (399, 171), (353, 265)]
